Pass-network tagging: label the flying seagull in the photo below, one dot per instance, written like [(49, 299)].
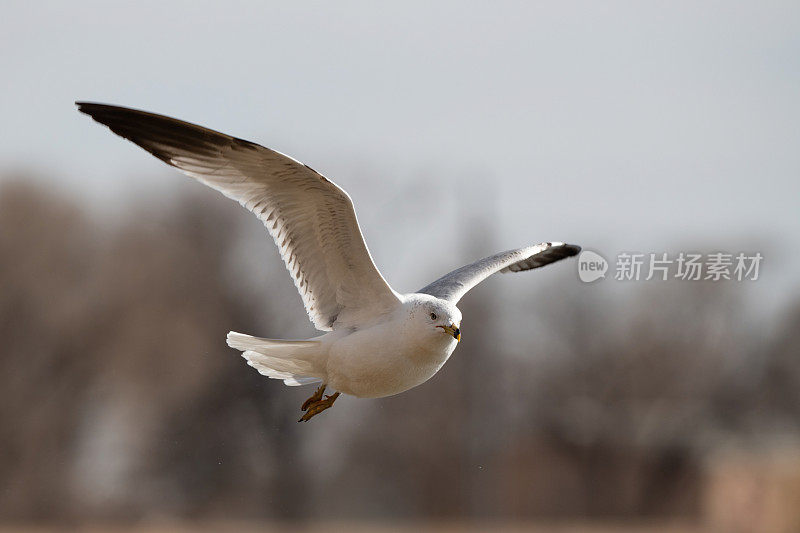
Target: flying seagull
[(377, 342)]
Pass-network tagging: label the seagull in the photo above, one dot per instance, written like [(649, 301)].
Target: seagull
[(376, 342)]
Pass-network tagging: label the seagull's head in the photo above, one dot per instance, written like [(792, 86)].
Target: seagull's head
[(437, 318)]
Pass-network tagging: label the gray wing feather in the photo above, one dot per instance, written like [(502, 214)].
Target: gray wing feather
[(454, 285), (310, 218)]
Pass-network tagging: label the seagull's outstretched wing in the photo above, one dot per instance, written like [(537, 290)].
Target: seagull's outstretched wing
[(454, 285), (311, 219)]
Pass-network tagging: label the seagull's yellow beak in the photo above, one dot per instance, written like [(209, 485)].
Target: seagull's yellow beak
[(453, 330)]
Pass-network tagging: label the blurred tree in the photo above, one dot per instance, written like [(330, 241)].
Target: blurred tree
[(623, 408), (47, 250), (777, 408), (119, 398)]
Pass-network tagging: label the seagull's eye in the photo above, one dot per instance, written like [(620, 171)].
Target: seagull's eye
[(433, 316)]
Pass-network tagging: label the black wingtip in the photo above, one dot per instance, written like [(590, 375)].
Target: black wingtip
[(96, 108), (85, 107), (93, 109), (160, 135)]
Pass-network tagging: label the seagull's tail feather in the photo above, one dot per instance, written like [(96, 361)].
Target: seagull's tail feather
[(291, 361)]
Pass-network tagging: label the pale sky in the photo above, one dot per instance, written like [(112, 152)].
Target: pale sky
[(635, 126)]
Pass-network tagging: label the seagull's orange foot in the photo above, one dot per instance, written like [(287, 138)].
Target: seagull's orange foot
[(315, 407), (317, 396)]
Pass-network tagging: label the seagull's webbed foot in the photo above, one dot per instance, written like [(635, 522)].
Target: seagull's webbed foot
[(317, 396), (315, 405)]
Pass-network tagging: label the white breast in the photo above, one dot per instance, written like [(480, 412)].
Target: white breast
[(385, 359)]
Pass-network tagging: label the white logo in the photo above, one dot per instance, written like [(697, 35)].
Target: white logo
[(591, 266)]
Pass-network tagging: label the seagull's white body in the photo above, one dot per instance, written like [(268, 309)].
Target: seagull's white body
[(400, 351), (389, 357), (378, 342)]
